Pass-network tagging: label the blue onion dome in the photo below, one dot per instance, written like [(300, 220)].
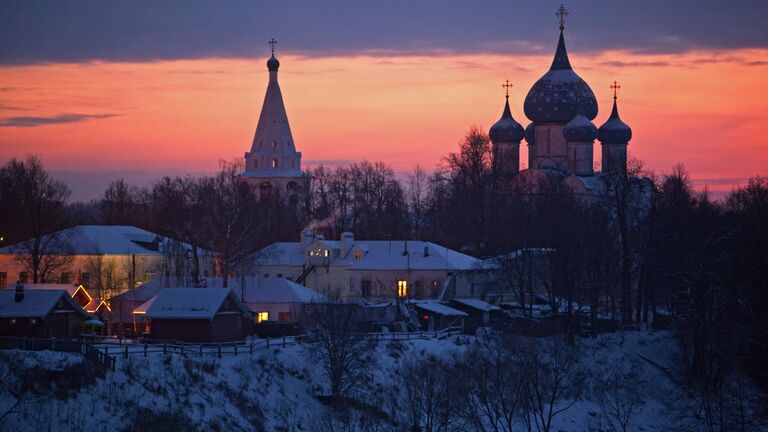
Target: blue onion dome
[(580, 129), (614, 130), (560, 94), (530, 134), (506, 130), (273, 64)]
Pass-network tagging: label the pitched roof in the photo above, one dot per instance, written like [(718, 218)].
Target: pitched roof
[(104, 240), (476, 304), (71, 289), (438, 308), (35, 304), (278, 290), (190, 303), (376, 255)]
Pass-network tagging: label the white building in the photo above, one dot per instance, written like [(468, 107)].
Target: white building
[(273, 166), (375, 270), (112, 258)]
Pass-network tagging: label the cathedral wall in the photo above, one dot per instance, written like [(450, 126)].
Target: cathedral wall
[(551, 147), (580, 158), (614, 157)]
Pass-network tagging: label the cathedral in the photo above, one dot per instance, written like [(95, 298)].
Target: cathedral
[(273, 166), (561, 135), (561, 138)]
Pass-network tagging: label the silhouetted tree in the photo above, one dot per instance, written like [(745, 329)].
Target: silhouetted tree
[(34, 206)]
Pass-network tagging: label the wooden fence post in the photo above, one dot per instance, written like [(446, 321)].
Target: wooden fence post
[(283, 341), (235, 349)]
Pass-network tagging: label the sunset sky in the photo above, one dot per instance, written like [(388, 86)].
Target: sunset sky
[(101, 90)]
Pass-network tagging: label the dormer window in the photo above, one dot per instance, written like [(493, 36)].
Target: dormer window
[(358, 254), (274, 163)]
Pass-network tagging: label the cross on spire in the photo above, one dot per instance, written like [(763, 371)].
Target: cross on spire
[(272, 42), (562, 12), (507, 85), (615, 87)]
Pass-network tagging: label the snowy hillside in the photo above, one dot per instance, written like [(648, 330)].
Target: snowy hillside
[(282, 389)]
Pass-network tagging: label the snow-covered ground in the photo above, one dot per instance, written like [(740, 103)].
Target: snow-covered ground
[(277, 389)]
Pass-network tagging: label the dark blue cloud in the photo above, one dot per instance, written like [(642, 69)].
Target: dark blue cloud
[(33, 31), (43, 121)]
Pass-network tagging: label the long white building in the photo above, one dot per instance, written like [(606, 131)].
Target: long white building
[(374, 270)]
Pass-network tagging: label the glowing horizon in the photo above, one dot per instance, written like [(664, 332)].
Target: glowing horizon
[(704, 109)]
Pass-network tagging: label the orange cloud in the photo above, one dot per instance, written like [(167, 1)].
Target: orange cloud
[(703, 109)]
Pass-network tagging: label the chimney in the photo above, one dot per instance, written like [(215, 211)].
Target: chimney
[(347, 239), (19, 292), (306, 238)]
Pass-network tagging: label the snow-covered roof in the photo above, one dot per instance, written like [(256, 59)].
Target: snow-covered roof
[(35, 304), (376, 255), (278, 290), (104, 240), (438, 308), (71, 289), (477, 304), (190, 303), (144, 307)]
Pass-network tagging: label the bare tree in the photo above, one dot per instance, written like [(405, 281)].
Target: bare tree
[(496, 390), (426, 397), (337, 346), (35, 203), (119, 204), (627, 197), (553, 379), (619, 398), (417, 199), (231, 220)]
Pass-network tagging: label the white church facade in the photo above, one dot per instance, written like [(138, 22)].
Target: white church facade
[(273, 166)]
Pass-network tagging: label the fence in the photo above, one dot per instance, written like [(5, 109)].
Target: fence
[(126, 347), (61, 345)]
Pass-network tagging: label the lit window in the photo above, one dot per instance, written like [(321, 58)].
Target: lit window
[(262, 316), (358, 254), (402, 288), (326, 252), (13, 321), (33, 321), (274, 163)]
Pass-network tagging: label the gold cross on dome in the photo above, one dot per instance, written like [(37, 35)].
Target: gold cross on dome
[(272, 42), (562, 12), (615, 87), (507, 85)]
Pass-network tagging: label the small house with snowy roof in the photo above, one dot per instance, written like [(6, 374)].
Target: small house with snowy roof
[(197, 315), (40, 313)]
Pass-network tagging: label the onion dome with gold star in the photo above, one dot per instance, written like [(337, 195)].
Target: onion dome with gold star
[(560, 94)]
